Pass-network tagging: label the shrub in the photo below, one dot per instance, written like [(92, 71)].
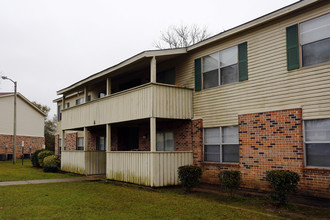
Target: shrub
[(282, 183), (34, 158), (51, 163), (189, 176), (42, 155), (230, 181)]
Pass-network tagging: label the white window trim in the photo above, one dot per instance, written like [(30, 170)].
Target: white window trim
[(314, 142), (221, 144), (219, 68), (301, 45)]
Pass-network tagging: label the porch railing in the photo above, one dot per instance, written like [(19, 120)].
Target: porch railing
[(83, 162), (154, 169)]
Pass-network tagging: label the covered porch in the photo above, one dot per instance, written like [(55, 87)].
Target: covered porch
[(146, 152)]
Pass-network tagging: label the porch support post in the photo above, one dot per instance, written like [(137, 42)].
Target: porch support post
[(152, 134), (63, 140), (153, 70), (108, 137), (85, 94), (108, 86), (85, 139)]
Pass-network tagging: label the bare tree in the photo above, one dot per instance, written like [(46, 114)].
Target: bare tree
[(181, 36)]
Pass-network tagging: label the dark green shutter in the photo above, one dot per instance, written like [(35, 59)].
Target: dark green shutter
[(292, 47), (198, 74), (242, 61)]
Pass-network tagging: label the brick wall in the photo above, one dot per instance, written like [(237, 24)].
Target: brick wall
[(71, 141), (7, 140), (57, 141), (267, 141), (270, 141)]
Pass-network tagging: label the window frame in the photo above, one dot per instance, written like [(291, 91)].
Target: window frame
[(59, 146), (219, 67), (220, 146), (98, 142), (67, 105), (300, 44), (308, 142), (80, 101), (80, 147), (163, 133)]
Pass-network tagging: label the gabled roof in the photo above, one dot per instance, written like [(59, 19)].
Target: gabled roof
[(168, 52), (8, 94)]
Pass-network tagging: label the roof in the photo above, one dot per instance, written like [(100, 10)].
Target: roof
[(168, 52), (8, 94)]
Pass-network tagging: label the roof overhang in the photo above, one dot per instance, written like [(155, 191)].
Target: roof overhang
[(256, 22), (141, 57)]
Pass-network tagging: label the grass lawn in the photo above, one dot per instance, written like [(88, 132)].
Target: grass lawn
[(101, 200), (11, 172)]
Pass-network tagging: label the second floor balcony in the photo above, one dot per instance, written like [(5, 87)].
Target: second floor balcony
[(144, 101)]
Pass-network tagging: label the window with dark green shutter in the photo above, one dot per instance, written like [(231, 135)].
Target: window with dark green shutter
[(198, 74), (242, 61), (292, 47)]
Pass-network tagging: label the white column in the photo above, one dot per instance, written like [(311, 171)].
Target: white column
[(85, 139), (108, 137), (152, 134), (153, 70), (108, 86)]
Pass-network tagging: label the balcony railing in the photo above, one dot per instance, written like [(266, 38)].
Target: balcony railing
[(154, 169), (145, 101), (83, 162)]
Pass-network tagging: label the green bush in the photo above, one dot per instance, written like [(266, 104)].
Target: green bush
[(42, 155), (189, 176), (52, 163), (34, 158), (282, 183), (230, 181)]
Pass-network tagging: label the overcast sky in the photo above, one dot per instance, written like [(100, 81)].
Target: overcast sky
[(46, 45)]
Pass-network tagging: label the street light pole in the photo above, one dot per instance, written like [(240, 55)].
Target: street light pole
[(15, 96)]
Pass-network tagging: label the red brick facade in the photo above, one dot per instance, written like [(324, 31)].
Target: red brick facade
[(267, 141), (71, 141), (36, 143), (57, 141)]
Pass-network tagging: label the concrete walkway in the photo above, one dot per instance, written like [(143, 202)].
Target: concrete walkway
[(74, 179)]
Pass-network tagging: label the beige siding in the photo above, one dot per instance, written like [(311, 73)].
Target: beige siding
[(270, 85), (150, 100), (147, 168), (83, 162), (29, 121)]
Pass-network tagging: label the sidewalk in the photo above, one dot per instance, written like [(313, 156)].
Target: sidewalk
[(74, 179)]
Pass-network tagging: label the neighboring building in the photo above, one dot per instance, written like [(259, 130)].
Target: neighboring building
[(254, 98), (29, 126)]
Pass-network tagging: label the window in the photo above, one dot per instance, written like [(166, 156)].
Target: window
[(100, 143), (67, 105), (60, 146), (79, 101), (165, 141), (221, 144), (89, 98), (315, 40), (220, 68), (101, 95), (59, 113), (80, 143), (312, 38), (317, 142)]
